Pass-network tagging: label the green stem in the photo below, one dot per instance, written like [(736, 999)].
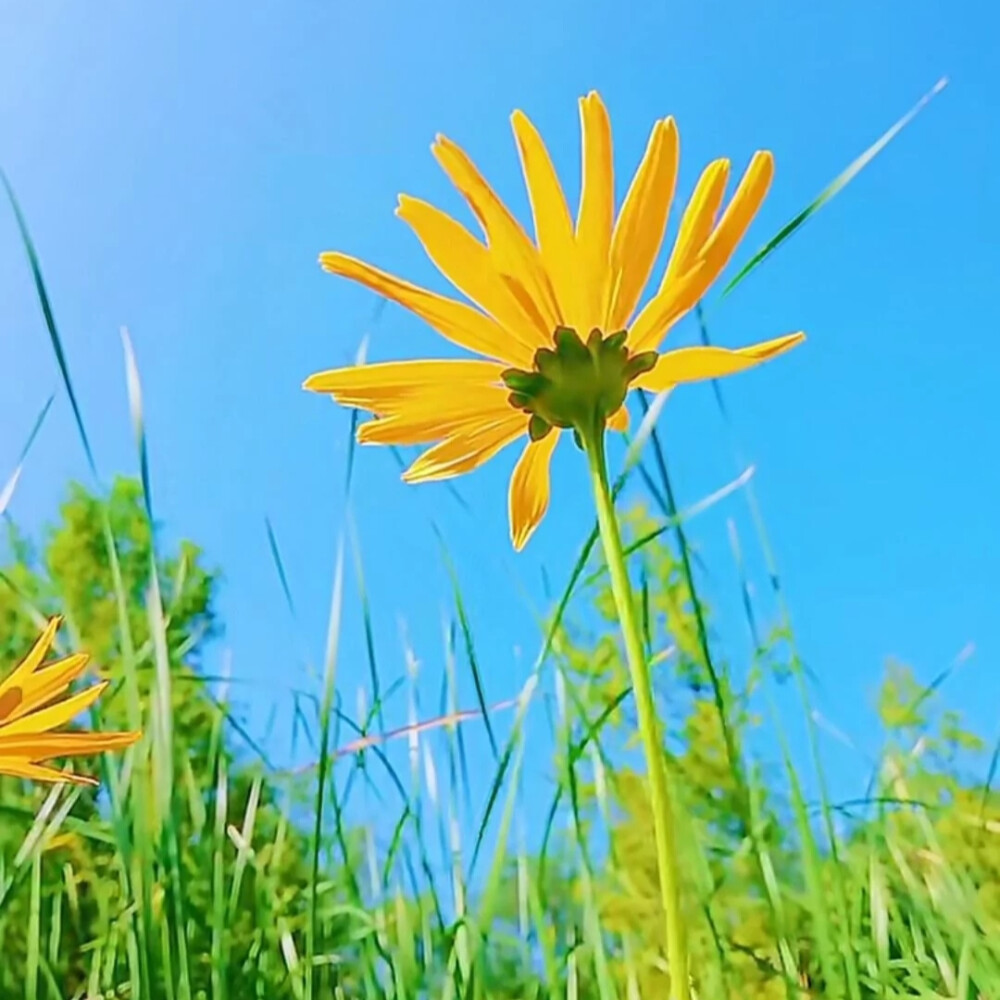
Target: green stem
[(663, 822)]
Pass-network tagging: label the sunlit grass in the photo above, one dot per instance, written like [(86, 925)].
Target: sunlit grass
[(205, 872)]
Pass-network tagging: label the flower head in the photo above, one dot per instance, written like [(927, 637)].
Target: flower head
[(33, 703), (555, 320)]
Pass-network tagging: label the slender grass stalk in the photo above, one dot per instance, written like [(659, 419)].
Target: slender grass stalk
[(663, 820)]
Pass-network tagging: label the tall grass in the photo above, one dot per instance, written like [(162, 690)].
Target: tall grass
[(362, 877)]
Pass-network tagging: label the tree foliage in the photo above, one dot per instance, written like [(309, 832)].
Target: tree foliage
[(153, 850)]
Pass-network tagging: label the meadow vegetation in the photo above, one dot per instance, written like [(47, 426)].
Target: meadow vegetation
[(197, 875)]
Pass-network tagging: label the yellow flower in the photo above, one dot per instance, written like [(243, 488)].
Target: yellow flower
[(32, 705), (555, 320)]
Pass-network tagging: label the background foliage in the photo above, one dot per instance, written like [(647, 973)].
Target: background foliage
[(196, 873)]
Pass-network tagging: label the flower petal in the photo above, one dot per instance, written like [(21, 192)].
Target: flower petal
[(456, 321), (373, 387), (665, 308), (554, 231), (739, 213), (21, 768), (43, 685), (516, 258), (528, 499), (695, 364), (467, 450), (419, 401), (596, 216), (470, 267), (42, 746), (55, 715), (619, 420), (19, 675), (700, 256), (642, 223), (419, 424), (698, 219)]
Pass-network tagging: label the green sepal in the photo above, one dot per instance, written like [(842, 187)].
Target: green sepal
[(528, 383), (616, 340), (538, 427), (569, 344), (639, 364), (546, 361)]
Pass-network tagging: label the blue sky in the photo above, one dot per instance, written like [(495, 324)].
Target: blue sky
[(181, 166)]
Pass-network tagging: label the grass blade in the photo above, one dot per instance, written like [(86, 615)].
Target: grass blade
[(50, 322), (7, 493), (325, 759), (834, 187)]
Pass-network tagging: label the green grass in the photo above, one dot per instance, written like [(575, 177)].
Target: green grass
[(206, 872)]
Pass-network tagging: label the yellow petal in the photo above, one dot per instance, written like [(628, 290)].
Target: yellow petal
[(665, 308), (740, 212), (22, 768), (698, 219), (700, 255), (641, 223), (418, 401), (469, 266), (695, 364), (516, 258), (371, 387), (42, 746), (597, 210), (467, 450), (56, 715), (553, 223), (42, 686), (529, 488), (458, 322), (418, 423), (32, 661), (618, 421)]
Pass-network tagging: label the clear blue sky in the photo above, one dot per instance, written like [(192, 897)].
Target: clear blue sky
[(181, 166)]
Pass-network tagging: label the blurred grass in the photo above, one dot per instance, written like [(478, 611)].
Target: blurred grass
[(203, 872)]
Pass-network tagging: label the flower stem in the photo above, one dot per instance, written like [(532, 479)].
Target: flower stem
[(663, 822)]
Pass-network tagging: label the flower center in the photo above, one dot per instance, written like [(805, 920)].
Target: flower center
[(577, 385)]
